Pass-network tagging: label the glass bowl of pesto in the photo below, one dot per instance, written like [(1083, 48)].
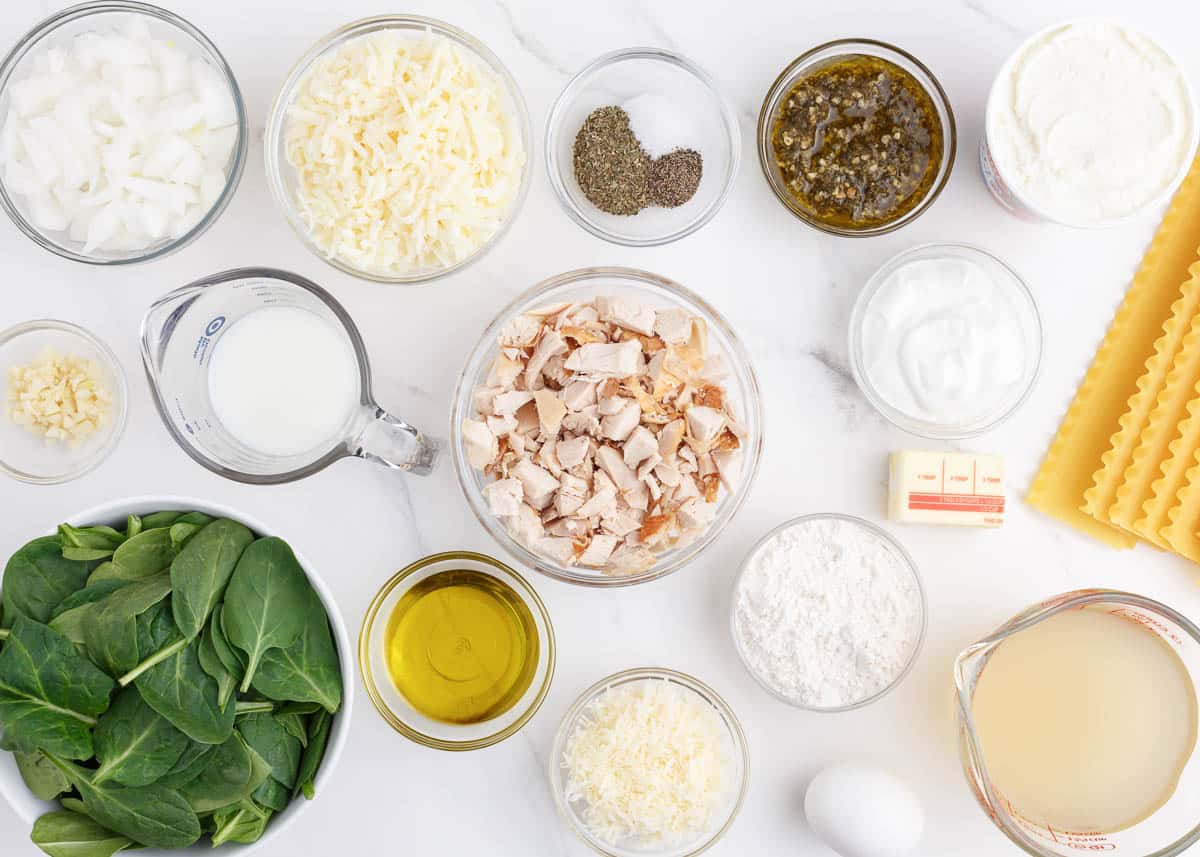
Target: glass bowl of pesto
[(856, 137), (457, 651), (673, 106)]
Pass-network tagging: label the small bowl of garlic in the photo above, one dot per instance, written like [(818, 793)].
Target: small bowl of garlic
[(65, 402), (607, 427)]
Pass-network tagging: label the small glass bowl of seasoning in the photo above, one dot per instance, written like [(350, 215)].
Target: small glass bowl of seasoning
[(113, 192), (457, 651), (856, 137), (641, 147), (613, 745), (64, 405), (945, 341)]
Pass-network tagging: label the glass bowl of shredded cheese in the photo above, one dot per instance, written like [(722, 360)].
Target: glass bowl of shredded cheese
[(650, 761), (64, 407), (399, 148)]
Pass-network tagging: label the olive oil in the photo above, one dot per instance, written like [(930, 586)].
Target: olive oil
[(462, 647)]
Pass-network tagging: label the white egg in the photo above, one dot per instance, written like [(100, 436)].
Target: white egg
[(861, 810)]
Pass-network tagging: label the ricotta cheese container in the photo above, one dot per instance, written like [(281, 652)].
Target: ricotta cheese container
[(1089, 124)]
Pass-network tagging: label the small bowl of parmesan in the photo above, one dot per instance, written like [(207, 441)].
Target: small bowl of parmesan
[(398, 148), (65, 402), (650, 761)]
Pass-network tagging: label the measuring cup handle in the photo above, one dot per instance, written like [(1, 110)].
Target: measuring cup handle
[(392, 442)]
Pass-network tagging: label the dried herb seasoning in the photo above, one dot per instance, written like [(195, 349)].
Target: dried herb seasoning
[(610, 164), (617, 175), (858, 142)]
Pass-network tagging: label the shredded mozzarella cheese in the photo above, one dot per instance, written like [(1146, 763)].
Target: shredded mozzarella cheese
[(650, 763), (61, 398), (407, 151)]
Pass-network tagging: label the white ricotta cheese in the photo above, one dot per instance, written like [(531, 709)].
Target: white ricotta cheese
[(1091, 122)]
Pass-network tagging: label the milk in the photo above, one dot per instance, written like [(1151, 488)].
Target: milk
[(283, 381)]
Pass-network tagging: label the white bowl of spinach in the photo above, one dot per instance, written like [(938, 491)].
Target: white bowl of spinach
[(170, 676)]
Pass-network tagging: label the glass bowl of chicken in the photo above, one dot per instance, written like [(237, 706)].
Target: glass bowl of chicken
[(607, 427)]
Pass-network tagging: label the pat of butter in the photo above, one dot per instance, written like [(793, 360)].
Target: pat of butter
[(946, 488)]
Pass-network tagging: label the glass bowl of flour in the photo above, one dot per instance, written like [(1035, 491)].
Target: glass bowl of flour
[(828, 612)]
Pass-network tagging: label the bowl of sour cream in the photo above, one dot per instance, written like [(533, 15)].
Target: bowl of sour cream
[(945, 341)]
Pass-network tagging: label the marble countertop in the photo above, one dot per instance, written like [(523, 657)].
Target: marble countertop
[(785, 288)]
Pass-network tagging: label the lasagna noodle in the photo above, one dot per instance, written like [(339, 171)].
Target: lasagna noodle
[(1122, 484), (1094, 416), (1147, 493)]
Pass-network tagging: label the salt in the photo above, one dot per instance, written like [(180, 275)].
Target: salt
[(660, 126)]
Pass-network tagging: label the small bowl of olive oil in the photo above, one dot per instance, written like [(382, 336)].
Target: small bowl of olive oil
[(457, 651)]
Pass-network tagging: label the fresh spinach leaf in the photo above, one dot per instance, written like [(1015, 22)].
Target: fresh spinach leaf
[(149, 815), (226, 653), (232, 772), (181, 534), (45, 781), (267, 737), (144, 555), (319, 727), (189, 766), (155, 520), (133, 526), (273, 795), (37, 578), (194, 518), (104, 573), (112, 636), (295, 724), (211, 663), (69, 834), (243, 822), (73, 624), (87, 595), (202, 570), (180, 690), (265, 603), (308, 669), (135, 745), (88, 543), (50, 695)]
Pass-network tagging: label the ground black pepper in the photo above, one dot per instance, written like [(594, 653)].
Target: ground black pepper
[(675, 177), (618, 177)]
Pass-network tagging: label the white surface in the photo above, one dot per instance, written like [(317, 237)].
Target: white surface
[(786, 288)]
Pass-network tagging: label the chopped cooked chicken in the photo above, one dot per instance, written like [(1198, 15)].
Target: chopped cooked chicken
[(606, 360), (504, 496), (608, 431), (482, 447)]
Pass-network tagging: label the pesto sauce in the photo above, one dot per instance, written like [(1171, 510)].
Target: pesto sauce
[(858, 142)]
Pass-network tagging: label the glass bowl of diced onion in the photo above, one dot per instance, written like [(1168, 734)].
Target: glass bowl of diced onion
[(124, 133), (373, 209), (663, 693), (64, 406)]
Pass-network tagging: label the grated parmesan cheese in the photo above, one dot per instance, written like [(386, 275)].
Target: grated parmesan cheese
[(61, 398), (650, 763), (407, 151)]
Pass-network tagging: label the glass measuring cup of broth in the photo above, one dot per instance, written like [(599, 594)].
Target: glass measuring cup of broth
[(262, 377), (1077, 726)]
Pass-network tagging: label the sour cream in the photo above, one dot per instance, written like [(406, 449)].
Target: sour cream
[(947, 343), (283, 381)]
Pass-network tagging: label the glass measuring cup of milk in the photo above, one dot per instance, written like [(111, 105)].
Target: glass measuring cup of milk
[(262, 377), (1146, 627)]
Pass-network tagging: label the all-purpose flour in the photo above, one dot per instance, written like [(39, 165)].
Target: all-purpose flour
[(828, 613)]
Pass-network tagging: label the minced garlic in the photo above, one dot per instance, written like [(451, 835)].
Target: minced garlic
[(62, 398)]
